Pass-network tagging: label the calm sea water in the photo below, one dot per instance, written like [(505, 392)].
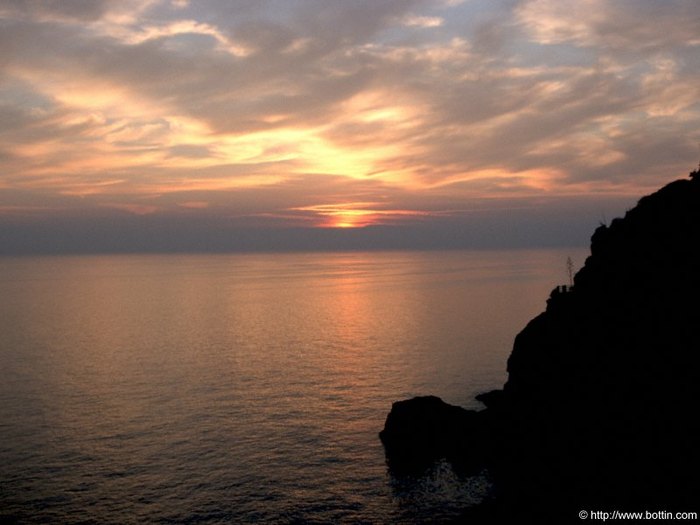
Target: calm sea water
[(245, 388)]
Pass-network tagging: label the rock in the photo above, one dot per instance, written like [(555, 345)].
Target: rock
[(600, 407), (600, 385), (492, 399), (421, 430)]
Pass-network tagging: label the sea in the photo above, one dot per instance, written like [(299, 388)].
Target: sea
[(246, 388)]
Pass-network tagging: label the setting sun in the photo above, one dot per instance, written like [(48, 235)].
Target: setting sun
[(357, 215), (352, 219)]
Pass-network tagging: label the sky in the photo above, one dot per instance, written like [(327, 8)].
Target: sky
[(218, 125)]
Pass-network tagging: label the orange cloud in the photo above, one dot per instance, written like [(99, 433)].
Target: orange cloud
[(135, 209), (194, 205)]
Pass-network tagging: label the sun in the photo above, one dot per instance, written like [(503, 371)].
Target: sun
[(356, 214), (351, 219)]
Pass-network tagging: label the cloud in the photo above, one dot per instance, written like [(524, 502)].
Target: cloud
[(175, 29), (274, 110), (422, 21), (76, 10), (629, 25)]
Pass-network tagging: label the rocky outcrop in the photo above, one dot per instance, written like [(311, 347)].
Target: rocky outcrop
[(600, 407), (421, 430)]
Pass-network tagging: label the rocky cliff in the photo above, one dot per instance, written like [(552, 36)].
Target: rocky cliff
[(600, 407)]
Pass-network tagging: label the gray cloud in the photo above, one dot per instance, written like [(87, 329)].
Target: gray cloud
[(78, 10), (253, 109), (640, 26)]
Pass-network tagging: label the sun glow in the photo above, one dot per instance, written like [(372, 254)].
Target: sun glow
[(356, 215), (352, 219)]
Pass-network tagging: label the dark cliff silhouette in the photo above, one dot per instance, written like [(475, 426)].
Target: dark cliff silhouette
[(600, 408)]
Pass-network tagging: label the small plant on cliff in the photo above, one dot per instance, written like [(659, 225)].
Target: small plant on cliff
[(570, 271)]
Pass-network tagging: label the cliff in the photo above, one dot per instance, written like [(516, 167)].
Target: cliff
[(600, 407)]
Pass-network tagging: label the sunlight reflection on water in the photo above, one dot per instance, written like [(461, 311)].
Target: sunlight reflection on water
[(243, 388)]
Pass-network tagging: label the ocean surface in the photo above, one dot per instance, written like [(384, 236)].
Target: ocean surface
[(246, 388)]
